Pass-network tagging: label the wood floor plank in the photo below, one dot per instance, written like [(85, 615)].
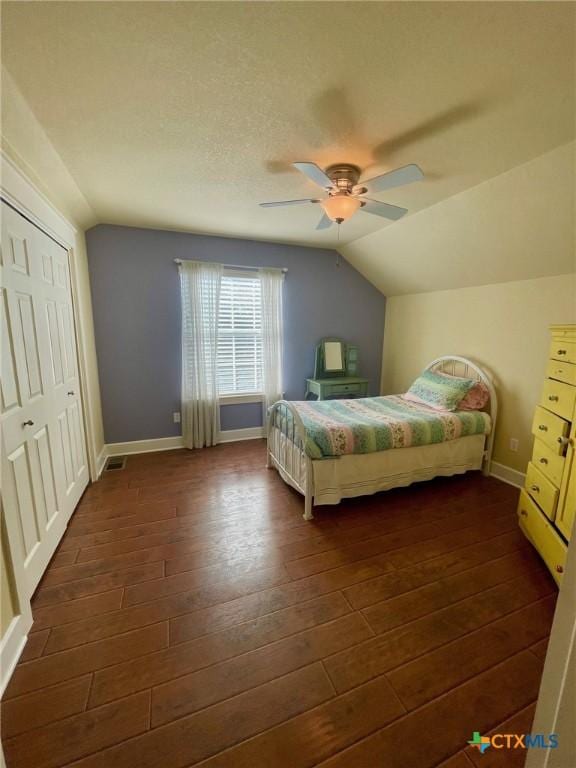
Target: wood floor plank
[(185, 658), (411, 605), (73, 590), (208, 686), (44, 706), (193, 739), (429, 676), (385, 652), (62, 742), (35, 645), (459, 760), (405, 579), (76, 610), (540, 649), (55, 668), (431, 734), (307, 566), (183, 582), (314, 736)]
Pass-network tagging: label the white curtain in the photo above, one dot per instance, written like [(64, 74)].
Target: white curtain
[(271, 282), (200, 290)]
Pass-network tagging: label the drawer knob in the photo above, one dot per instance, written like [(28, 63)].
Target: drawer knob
[(559, 569), (535, 488), (562, 351), (553, 398), (543, 461), (523, 513), (542, 427)]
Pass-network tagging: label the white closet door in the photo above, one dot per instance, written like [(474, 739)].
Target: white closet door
[(44, 468)]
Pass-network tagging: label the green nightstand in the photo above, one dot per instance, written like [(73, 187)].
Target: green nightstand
[(338, 387)]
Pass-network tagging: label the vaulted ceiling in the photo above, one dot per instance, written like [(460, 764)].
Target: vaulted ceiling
[(187, 114)]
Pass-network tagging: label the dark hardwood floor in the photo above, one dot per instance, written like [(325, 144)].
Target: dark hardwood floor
[(191, 616)]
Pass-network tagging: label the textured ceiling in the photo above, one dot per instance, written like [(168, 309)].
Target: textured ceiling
[(186, 115)]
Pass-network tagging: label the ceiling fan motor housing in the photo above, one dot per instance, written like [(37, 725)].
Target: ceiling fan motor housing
[(344, 176)]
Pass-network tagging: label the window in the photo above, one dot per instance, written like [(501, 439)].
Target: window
[(239, 359)]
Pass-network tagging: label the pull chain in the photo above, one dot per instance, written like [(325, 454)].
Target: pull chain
[(338, 243)]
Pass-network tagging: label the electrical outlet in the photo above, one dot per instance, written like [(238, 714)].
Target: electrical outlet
[(176, 417), (514, 444)]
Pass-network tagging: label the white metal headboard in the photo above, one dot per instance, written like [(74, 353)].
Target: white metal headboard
[(456, 365)]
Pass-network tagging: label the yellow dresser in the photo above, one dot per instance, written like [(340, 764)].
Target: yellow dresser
[(547, 504)]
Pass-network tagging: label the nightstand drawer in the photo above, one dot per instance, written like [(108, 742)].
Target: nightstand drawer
[(542, 535), (551, 429), (563, 350), (544, 493), (565, 372), (343, 389), (558, 398), (548, 462)]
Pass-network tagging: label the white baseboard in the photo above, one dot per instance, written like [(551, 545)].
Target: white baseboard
[(171, 444), (11, 648), (101, 460), (233, 435), (507, 474), (144, 446)]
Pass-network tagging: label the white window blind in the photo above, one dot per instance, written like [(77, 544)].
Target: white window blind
[(239, 362)]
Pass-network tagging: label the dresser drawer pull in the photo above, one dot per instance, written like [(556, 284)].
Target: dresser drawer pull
[(535, 488), (562, 352), (523, 513), (553, 398), (543, 461), (542, 427), (559, 569)]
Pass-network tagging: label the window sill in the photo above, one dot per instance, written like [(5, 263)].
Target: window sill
[(238, 399)]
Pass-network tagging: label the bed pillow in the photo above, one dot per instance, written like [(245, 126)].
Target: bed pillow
[(439, 391), (476, 398)]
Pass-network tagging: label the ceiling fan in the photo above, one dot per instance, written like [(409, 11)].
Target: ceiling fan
[(346, 194)]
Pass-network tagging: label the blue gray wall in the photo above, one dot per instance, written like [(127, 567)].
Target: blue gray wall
[(136, 300)]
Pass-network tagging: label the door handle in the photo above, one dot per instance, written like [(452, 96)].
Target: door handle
[(70, 393), (28, 423)]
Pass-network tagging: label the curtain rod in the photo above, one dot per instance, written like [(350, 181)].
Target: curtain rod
[(236, 266)]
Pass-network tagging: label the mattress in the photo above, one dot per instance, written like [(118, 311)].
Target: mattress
[(373, 424)]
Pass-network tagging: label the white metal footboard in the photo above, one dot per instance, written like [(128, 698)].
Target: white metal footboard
[(286, 451)]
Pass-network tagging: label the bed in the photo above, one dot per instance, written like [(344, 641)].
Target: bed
[(322, 464)]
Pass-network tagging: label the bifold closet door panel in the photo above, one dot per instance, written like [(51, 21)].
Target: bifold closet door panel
[(44, 467)]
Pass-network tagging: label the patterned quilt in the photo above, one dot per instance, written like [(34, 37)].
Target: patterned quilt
[(366, 425)]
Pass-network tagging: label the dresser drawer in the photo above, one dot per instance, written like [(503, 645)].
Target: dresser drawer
[(539, 531), (565, 372), (559, 398), (551, 429), (548, 462), (544, 492), (563, 350)]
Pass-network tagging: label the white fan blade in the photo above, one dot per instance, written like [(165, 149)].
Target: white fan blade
[(324, 223), (287, 202), (386, 210), (315, 174), (397, 178)]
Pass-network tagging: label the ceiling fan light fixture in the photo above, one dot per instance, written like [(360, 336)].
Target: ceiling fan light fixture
[(340, 207)]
